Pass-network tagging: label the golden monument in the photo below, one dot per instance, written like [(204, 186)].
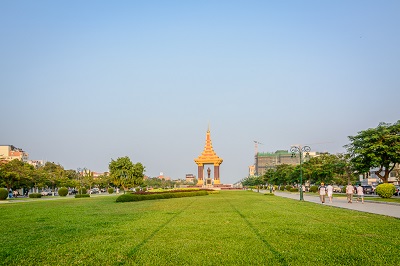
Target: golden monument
[(208, 156)]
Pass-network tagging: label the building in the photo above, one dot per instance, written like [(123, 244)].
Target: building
[(269, 160), (371, 178), (37, 163), (10, 152), (252, 170), (190, 178)]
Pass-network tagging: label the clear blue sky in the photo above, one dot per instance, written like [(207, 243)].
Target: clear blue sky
[(82, 82)]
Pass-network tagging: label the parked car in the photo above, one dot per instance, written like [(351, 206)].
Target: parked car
[(337, 188), (46, 193), (368, 189), (397, 191), (94, 191)]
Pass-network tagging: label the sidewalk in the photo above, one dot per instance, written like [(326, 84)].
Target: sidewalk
[(388, 209)]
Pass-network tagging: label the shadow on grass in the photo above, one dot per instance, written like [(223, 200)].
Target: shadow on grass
[(277, 254), (135, 249)]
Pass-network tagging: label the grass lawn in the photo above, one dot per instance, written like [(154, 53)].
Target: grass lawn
[(229, 228), (394, 199)]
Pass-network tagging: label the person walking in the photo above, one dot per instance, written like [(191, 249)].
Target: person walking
[(322, 192), (349, 193), (360, 193), (329, 188)]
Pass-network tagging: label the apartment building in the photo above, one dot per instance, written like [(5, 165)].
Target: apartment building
[(10, 152)]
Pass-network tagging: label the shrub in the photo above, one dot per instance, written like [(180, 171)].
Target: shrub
[(313, 189), (288, 187), (385, 190), (82, 196), (137, 189), (63, 192), (110, 190), (282, 188), (35, 195), (3, 193), (82, 190), (269, 194), (138, 197), (294, 189)]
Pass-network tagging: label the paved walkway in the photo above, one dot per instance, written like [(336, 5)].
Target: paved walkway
[(389, 209)]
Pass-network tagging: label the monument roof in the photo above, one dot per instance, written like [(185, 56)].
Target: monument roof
[(208, 155)]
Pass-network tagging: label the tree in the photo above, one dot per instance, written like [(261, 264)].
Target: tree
[(376, 147), (15, 173), (283, 174), (54, 174), (322, 168), (102, 181), (126, 174), (345, 170), (268, 176)]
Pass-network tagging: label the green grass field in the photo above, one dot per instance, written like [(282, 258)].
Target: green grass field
[(229, 228)]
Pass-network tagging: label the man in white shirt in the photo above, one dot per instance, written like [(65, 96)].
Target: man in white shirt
[(329, 188), (349, 193)]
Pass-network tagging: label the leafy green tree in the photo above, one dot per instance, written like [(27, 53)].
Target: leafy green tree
[(88, 178), (346, 172), (37, 179), (126, 174), (72, 178), (376, 147), (102, 181), (283, 174), (54, 174), (15, 174), (249, 181), (268, 176)]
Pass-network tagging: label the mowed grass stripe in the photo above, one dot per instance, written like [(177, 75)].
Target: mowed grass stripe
[(137, 247), (210, 231), (278, 255)]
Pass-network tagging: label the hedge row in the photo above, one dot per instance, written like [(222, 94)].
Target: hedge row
[(171, 191), (35, 195), (139, 197), (82, 196)]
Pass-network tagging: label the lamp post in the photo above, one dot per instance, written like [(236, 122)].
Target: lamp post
[(300, 150), (79, 170)]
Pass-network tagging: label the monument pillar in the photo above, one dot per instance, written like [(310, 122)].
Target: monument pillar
[(200, 174), (216, 174)]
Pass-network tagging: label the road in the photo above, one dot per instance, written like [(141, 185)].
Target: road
[(383, 208)]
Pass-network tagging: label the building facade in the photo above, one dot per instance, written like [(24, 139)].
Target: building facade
[(269, 160), (10, 152), (190, 178)]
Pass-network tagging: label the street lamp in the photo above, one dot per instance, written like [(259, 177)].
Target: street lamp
[(80, 172), (300, 150)]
